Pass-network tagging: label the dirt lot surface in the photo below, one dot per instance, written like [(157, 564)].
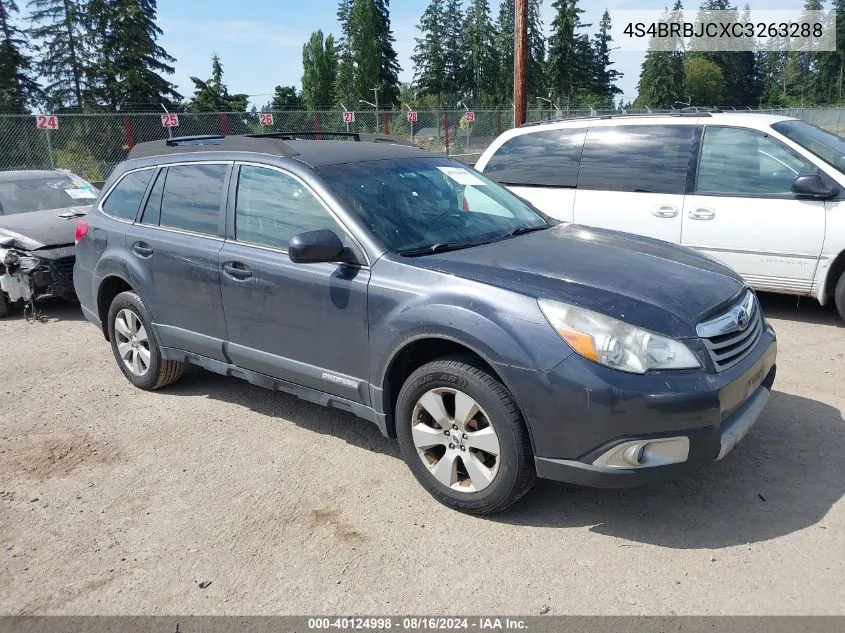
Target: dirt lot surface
[(117, 501)]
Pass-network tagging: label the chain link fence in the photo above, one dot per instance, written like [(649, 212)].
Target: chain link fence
[(91, 145)]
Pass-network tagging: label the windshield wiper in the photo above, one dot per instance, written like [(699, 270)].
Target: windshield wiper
[(440, 247), (522, 230)]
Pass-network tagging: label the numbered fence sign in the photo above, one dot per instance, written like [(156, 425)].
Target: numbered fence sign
[(412, 117), (170, 120), (265, 119), (348, 117), (470, 117), (47, 122)]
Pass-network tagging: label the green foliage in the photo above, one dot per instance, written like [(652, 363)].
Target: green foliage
[(604, 76), (479, 57), (18, 88), (319, 64), (453, 53), (59, 28), (389, 69), (571, 62), (285, 98), (212, 95), (429, 54), (703, 81)]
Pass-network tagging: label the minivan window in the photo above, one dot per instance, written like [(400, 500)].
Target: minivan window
[(191, 198), (821, 143), (125, 198), (637, 158), (743, 162), (272, 207), (544, 158), (414, 204)]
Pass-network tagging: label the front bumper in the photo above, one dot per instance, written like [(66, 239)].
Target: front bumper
[(580, 411)]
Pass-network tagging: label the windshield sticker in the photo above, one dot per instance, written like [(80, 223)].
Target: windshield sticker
[(80, 194), (462, 176)]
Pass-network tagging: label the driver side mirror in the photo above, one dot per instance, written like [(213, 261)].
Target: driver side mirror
[(813, 187), (313, 247)]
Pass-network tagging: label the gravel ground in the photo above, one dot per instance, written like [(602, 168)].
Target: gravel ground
[(117, 501)]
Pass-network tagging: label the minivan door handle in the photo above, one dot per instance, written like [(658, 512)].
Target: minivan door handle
[(665, 211), (142, 249), (702, 214), (238, 270)]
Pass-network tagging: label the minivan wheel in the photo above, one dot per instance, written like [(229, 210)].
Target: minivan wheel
[(839, 295), (463, 437), (135, 347)]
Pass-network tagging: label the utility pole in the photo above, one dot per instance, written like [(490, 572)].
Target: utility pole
[(520, 62), (378, 123)]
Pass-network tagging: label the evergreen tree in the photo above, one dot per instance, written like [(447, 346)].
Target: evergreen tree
[(129, 64), (390, 68), (429, 53), (604, 76), (535, 82), (344, 86), (504, 49), (455, 80), (830, 71), (18, 88), (319, 66), (570, 57), (212, 95), (661, 79), (58, 27), (479, 56), (285, 98), (365, 49)]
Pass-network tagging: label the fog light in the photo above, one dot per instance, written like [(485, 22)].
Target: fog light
[(646, 453)]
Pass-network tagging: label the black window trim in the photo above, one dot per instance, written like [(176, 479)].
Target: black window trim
[(229, 231), (697, 163), (108, 193)]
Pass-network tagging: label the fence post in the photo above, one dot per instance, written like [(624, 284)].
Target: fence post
[(317, 127), (498, 122), (224, 124), (127, 133), (446, 130), (387, 123)]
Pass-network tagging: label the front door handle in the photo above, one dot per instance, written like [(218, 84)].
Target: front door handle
[(238, 270), (665, 211), (142, 249), (702, 214)]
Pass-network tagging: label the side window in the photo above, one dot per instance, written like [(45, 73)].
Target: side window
[(639, 158), (548, 158), (191, 198), (152, 210), (125, 198), (272, 207), (745, 162)]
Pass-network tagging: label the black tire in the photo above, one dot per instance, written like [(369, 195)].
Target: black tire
[(159, 372), (516, 474), (839, 295), (6, 308)]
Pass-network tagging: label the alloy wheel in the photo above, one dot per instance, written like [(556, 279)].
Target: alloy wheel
[(133, 344)]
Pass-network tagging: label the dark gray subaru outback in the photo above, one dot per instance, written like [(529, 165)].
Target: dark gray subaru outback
[(497, 344)]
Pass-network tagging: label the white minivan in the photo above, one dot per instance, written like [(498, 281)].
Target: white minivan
[(765, 194)]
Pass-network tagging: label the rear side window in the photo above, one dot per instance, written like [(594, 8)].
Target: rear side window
[(637, 158), (152, 210), (191, 198), (546, 158), (125, 198)]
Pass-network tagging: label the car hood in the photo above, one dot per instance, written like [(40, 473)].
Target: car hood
[(42, 229), (649, 283)]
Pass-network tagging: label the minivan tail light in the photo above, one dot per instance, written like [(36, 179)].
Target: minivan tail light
[(81, 231)]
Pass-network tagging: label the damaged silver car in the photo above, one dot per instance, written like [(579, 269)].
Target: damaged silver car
[(38, 211)]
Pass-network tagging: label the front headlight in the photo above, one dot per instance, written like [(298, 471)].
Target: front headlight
[(615, 343)]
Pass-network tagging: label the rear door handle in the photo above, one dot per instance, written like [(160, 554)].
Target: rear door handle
[(665, 211), (142, 249), (238, 270), (702, 214)]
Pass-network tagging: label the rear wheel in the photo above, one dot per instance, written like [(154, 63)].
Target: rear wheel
[(463, 437), (839, 295), (134, 346)]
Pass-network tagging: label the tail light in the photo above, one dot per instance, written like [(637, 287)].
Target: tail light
[(81, 231)]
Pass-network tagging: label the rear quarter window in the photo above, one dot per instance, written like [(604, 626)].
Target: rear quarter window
[(637, 158), (544, 158), (125, 198)]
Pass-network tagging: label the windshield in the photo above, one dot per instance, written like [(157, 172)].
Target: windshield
[(430, 203), (38, 194), (829, 147)]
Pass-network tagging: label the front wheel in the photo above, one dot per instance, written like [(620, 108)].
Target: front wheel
[(839, 295), (463, 437)]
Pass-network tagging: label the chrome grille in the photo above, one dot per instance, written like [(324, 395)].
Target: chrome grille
[(725, 338)]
